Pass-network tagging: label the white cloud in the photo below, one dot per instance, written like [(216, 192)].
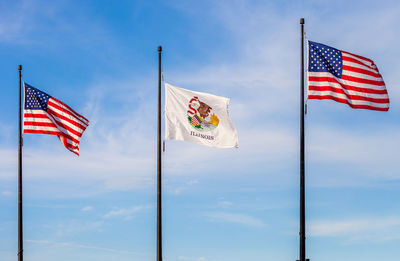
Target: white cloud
[(182, 186), (235, 218), (127, 213), (87, 208), (225, 204), (8, 166), (73, 227), (192, 182), (6, 193), (192, 258), (364, 157), (59, 244), (42, 242), (370, 229)]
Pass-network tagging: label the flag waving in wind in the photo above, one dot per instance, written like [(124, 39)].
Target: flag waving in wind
[(345, 77), (198, 117), (44, 114)]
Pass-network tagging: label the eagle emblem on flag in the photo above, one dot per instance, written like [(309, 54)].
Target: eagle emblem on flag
[(201, 116)]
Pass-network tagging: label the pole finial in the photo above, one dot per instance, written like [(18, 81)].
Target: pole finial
[(20, 67), (301, 20), (159, 48)]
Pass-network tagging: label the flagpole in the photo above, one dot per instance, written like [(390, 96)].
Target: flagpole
[(20, 227), (302, 156), (159, 205)]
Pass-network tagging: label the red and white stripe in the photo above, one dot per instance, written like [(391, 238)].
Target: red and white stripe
[(361, 85), (59, 120)]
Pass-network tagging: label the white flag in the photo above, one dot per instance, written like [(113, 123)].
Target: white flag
[(198, 117)]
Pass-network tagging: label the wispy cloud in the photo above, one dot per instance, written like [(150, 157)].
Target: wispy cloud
[(365, 157), (185, 258), (235, 218), (225, 204), (126, 213), (6, 193), (87, 208), (183, 186), (74, 227), (57, 244), (376, 229)]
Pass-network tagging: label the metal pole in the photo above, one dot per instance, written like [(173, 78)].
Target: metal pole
[(20, 227), (159, 205), (302, 156)]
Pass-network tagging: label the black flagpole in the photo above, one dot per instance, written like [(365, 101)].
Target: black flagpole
[(302, 156), (20, 238), (159, 205)]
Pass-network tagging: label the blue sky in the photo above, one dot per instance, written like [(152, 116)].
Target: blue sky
[(100, 57)]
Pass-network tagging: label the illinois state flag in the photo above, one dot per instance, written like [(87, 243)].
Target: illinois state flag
[(199, 118)]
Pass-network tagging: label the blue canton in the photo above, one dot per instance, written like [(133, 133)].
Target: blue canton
[(323, 58), (35, 99)]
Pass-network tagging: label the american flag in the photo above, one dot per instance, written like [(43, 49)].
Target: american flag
[(346, 78), (44, 114)]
